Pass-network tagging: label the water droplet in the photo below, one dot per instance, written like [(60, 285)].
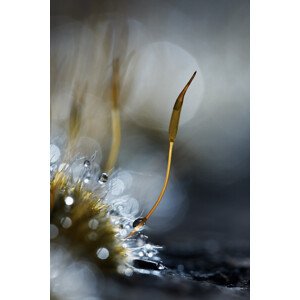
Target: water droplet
[(102, 253), (88, 149), (141, 253), (137, 222), (66, 222), (53, 231), (103, 178), (87, 163), (69, 200), (87, 177), (93, 224)]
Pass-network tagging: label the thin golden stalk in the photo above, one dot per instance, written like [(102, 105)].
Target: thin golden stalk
[(173, 128)]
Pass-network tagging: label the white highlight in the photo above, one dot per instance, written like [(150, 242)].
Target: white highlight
[(69, 200), (102, 253)]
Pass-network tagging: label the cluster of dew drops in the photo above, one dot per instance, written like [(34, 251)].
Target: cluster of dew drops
[(122, 210)]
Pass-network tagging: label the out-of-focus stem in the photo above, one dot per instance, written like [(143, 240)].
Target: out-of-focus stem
[(115, 119), (116, 140)]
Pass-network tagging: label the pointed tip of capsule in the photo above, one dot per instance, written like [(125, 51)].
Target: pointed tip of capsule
[(174, 122), (188, 84), (194, 74), (180, 98)]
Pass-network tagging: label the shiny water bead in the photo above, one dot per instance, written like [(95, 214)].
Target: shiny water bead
[(87, 176), (69, 200), (87, 163), (66, 222), (102, 253), (146, 253), (86, 179), (148, 247), (137, 222), (93, 224), (87, 149), (103, 178), (150, 254)]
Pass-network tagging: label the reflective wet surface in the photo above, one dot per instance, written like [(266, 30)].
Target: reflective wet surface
[(198, 273)]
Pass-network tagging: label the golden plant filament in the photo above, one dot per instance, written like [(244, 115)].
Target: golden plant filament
[(173, 128)]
